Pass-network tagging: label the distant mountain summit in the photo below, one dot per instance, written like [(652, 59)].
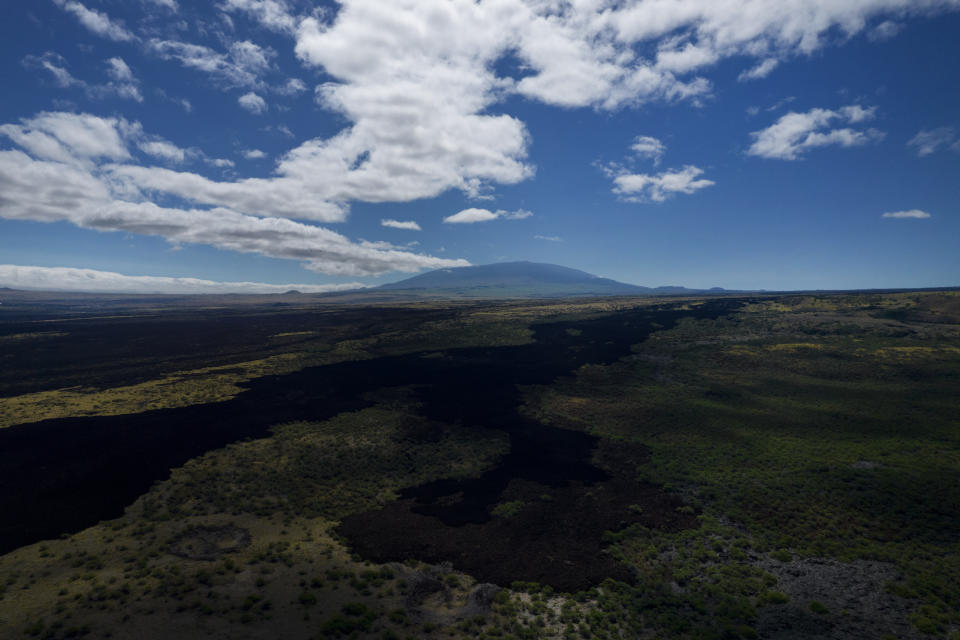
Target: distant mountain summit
[(521, 280)]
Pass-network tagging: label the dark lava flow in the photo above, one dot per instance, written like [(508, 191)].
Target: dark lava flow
[(64, 475)]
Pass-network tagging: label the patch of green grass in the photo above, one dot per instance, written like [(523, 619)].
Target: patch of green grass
[(507, 509)]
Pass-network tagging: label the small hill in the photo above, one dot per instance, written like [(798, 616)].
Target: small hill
[(520, 280)]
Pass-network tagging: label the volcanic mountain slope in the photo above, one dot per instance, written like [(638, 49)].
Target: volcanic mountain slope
[(520, 279)]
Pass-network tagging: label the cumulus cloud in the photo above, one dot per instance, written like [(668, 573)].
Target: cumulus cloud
[(418, 82), (254, 154), (70, 170), (472, 215), (915, 214), (796, 133), (642, 187), (928, 142), (253, 103), (410, 225), (96, 21), (648, 147), (90, 280)]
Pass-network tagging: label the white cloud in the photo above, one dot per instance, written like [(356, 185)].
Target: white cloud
[(221, 162), (418, 83), (641, 187), (885, 31), (119, 70), (685, 58), (762, 70), (70, 138), (64, 179), (472, 215), (253, 103), (164, 149), (292, 87), (122, 83), (272, 14), (928, 142), (254, 154), (913, 213), (795, 133), (400, 224), (90, 280), (95, 21), (648, 147), (55, 64), (169, 4), (548, 238), (242, 66)]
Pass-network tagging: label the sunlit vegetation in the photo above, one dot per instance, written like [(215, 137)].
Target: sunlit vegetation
[(353, 462)]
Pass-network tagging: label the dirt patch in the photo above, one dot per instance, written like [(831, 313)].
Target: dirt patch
[(209, 543)]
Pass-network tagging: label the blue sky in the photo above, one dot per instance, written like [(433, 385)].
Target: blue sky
[(779, 144)]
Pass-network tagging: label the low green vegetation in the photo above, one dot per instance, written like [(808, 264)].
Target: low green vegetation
[(818, 427), (815, 438)]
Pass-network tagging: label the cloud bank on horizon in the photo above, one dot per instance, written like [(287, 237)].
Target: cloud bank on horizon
[(93, 281), (408, 102)]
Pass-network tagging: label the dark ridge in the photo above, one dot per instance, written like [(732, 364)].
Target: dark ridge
[(60, 476)]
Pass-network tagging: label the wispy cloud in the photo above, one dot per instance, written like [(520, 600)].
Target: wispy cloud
[(928, 142), (122, 82), (410, 225), (762, 70), (272, 14), (790, 137), (90, 280), (243, 65), (96, 21), (548, 238), (915, 214)]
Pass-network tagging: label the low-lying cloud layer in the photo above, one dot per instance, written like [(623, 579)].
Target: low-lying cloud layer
[(90, 280)]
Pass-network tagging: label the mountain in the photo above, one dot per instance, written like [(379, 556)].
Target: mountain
[(519, 280)]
